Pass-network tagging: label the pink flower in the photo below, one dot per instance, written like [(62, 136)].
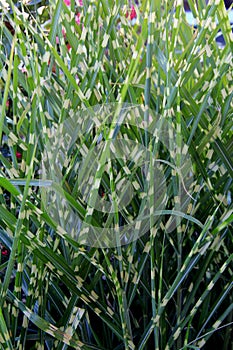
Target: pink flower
[(77, 18), (22, 68), (8, 103), (80, 2), (67, 2), (4, 251), (133, 13), (18, 155)]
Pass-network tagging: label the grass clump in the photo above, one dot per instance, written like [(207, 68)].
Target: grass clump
[(165, 290)]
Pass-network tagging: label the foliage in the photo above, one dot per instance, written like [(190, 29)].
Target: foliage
[(167, 290)]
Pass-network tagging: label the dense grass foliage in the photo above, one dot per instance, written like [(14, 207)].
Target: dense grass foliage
[(166, 290)]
